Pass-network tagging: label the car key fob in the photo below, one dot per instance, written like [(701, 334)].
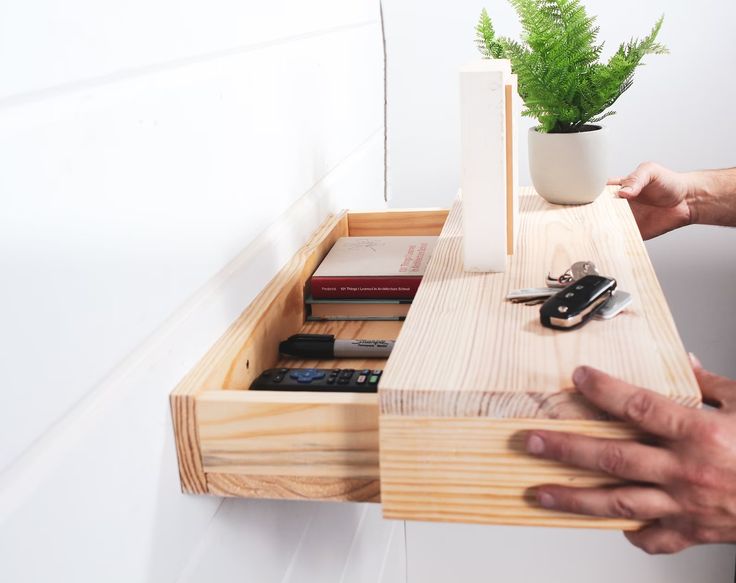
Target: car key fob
[(575, 304)]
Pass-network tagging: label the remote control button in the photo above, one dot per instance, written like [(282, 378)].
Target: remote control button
[(365, 371), (278, 378), (349, 370), (562, 309), (578, 287), (377, 372), (373, 379), (331, 381), (361, 379), (283, 370), (569, 295), (343, 381), (307, 375)]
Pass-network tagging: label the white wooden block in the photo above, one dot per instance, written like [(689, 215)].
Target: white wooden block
[(483, 155)]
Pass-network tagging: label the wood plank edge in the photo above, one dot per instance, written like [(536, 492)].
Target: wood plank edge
[(396, 222), (510, 178), (186, 437), (497, 405), (295, 487)]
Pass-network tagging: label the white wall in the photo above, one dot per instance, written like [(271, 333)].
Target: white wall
[(679, 112), (143, 147)]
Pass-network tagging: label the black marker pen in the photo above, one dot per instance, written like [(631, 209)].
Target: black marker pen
[(326, 346)]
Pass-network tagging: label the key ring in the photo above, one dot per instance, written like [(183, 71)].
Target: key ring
[(562, 281)]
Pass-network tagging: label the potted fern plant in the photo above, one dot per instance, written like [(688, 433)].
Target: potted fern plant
[(567, 89)]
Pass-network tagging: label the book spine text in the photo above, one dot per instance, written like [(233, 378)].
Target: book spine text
[(365, 287)]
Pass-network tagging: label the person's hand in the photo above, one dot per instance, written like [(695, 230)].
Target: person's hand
[(659, 198), (683, 482)]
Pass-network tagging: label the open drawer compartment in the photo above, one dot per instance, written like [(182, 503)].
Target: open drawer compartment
[(270, 444)]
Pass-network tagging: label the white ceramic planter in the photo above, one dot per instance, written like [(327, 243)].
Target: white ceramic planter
[(569, 168)]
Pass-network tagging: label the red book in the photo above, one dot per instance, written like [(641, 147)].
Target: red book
[(373, 268)]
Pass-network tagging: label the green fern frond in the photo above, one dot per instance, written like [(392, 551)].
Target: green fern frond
[(561, 79), (485, 38)]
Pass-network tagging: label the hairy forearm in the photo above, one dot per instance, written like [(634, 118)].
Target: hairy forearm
[(712, 197)]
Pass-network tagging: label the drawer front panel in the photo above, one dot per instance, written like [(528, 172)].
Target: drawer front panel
[(289, 435), (475, 470)]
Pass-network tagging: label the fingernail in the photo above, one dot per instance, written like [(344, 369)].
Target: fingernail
[(546, 499), (579, 376), (535, 445), (694, 360)]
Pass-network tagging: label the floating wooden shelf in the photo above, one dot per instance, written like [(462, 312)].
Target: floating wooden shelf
[(468, 374), (470, 371)]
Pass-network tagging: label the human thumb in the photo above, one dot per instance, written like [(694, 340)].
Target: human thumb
[(717, 391), (632, 185)]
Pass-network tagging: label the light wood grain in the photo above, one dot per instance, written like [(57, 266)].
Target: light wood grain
[(474, 470), (511, 177), (298, 434), (396, 222), (465, 351), (471, 371), (301, 444), (189, 456), (295, 488)]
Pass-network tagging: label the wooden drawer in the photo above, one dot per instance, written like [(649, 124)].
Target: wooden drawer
[(234, 442), (468, 375)]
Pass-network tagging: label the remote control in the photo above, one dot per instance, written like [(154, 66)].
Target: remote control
[(341, 380), (575, 304)]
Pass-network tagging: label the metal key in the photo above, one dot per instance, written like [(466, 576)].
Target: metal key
[(576, 271), (536, 295), (535, 302), (530, 293), (533, 296)]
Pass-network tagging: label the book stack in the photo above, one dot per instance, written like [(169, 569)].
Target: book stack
[(369, 278)]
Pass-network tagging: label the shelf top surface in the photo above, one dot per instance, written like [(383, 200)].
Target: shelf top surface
[(466, 351)]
